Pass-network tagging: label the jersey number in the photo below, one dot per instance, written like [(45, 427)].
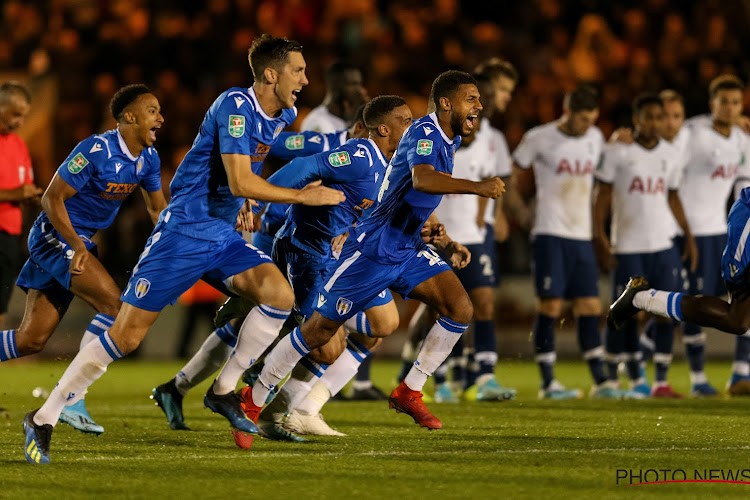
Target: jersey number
[(486, 263)]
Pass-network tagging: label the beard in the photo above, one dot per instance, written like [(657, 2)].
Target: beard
[(457, 124)]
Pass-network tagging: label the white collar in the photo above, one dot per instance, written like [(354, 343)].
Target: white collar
[(377, 150), (433, 117), (257, 106), (123, 146)]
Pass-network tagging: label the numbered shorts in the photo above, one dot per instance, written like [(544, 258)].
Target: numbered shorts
[(661, 269), (706, 280), (307, 273), (357, 280), (564, 268), (48, 265), (172, 262), (481, 268)]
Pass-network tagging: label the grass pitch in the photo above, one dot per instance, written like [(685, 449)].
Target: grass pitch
[(520, 449)]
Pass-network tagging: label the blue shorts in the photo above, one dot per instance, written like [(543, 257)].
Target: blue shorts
[(172, 262), (481, 269), (661, 269), (564, 268), (357, 280), (263, 242), (48, 265), (706, 280), (307, 273)]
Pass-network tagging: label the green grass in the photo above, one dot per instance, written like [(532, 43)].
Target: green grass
[(521, 449)]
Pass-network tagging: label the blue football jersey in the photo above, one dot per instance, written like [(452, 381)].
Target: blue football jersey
[(391, 232), (357, 168), (291, 145), (104, 172), (202, 205), (288, 146)]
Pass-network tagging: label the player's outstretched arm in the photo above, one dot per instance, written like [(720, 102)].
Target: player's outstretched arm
[(427, 180), (53, 203), (245, 184)]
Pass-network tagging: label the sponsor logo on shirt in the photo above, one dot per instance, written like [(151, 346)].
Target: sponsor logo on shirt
[(77, 163), (424, 147), (236, 125), (339, 159), (295, 142)]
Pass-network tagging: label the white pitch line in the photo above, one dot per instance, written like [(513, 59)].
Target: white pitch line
[(275, 454)]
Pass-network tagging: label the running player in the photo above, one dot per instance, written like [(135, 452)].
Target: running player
[(83, 197), (386, 250), (196, 235)]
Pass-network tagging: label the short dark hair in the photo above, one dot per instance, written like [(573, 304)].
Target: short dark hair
[(583, 98), (359, 116), (669, 95), (270, 51), (124, 97), (495, 68), (646, 99), (336, 71), (377, 109), (725, 82), (448, 82), (12, 88)]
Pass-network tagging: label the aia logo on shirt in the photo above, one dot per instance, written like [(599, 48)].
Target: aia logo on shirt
[(725, 172), (575, 168), (647, 185)]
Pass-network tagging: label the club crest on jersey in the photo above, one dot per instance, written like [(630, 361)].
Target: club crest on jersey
[(278, 131), (139, 165), (236, 125), (295, 142), (424, 147), (339, 159), (343, 306), (77, 163), (142, 286)]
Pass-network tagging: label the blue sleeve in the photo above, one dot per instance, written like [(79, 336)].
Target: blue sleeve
[(152, 181), (424, 146), (344, 164), (82, 163), (291, 145), (294, 175), (233, 126)]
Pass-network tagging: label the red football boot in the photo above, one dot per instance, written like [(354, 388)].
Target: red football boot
[(245, 441), (404, 400), (665, 392)]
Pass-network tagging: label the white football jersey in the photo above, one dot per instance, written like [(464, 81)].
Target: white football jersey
[(458, 212), (499, 164), (323, 121), (564, 171), (680, 143), (713, 164), (641, 179)]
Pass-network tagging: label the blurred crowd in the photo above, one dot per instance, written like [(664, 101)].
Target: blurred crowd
[(74, 54)]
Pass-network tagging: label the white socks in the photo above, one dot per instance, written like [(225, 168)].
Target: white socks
[(213, 353), (435, 349), (258, 331), (90, 364), (666, 304), (278, 364), (318, 396)]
